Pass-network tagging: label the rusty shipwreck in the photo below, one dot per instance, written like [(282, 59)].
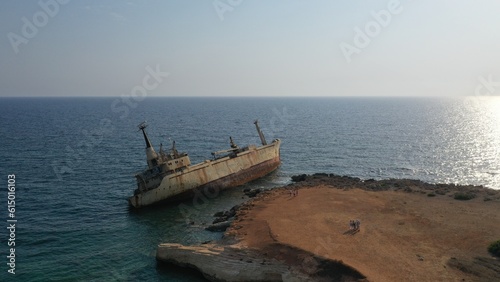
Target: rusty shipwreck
[(171, 176)]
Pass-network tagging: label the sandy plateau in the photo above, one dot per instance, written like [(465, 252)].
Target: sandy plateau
[(410, 231)]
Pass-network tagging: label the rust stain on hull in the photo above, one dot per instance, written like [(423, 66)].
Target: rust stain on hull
[(169, 180), (230, 181), (244, 176)]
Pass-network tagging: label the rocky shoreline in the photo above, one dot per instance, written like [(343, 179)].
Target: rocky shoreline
[(405, 185), (233, 260)]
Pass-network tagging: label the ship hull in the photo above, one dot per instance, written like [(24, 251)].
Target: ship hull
[(213, 176)]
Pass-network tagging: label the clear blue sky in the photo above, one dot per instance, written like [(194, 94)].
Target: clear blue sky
[(253, 48)]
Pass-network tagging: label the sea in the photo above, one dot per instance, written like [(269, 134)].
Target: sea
[(74, 160)]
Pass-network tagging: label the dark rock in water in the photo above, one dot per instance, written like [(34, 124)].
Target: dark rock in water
[(218, 227), (235, 208), (219, 219), (225, 215), (252, 193), (231, 213), (299, 178), (219, 214)]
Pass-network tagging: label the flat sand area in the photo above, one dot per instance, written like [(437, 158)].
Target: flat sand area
[(403, 236)]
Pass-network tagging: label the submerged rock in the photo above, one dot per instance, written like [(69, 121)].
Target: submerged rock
[(253, 192), (219, 226), (299, 178), (223, 216)]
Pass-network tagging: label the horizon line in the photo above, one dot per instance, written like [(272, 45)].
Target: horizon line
[(255, 96)]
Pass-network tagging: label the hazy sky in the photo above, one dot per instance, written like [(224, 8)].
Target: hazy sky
[(249, 48)]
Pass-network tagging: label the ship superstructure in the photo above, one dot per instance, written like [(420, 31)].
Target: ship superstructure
[(170, 175)]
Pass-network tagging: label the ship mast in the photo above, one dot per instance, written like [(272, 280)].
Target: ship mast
[(151, 155), (261, 135)]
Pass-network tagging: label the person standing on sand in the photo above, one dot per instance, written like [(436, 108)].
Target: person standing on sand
[(358, 224)]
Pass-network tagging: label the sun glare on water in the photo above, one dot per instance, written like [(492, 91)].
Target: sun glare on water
[(484, 134)]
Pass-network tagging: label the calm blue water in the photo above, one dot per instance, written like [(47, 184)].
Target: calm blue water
[(74, 161)]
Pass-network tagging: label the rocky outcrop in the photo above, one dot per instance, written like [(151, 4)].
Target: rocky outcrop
[(484, 268), (227, 263), (219, 226), (459, 192), (299, 178), (222, 220), (251, 193), (278, 261)]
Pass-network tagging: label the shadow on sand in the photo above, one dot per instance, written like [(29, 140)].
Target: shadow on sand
[(351, 232)]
